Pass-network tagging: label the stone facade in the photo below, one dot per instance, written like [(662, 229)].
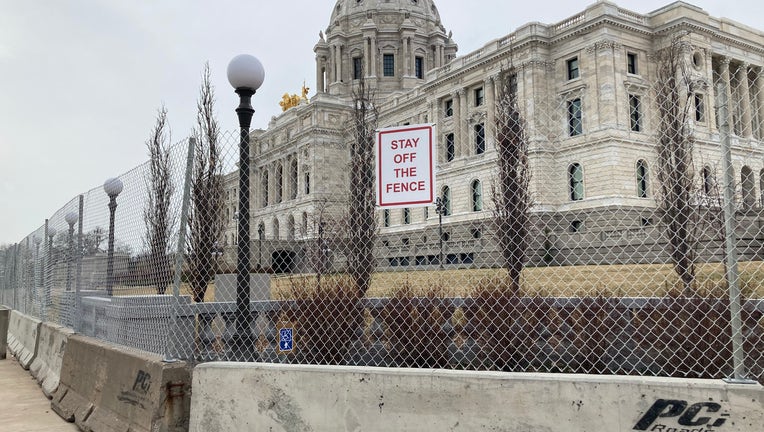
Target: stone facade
[(401, 49)]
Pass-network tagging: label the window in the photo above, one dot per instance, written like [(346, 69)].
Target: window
[(279, 184), (708, 182), (576, 226), (575, 126), (477, 196), (293, 179), (631, 63), (388, 65), (307, 183), (573, 72), (450, 149), (479, 96), (479, 138), (357, 67), (512, 84), (406, 216), (635, 113), (264, 187), (419, 67), (700, 108), (642, 179), (576, 182), (386, 218), (448, 108), (446, 201)]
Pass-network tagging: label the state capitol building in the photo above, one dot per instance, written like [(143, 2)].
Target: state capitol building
[(584, 87)]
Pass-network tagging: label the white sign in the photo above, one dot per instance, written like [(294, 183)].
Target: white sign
[(406, 166)]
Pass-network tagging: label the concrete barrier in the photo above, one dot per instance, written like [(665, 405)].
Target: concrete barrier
[(46, 367), (23, 331), (269, 397), (106, 387), (4, 317)]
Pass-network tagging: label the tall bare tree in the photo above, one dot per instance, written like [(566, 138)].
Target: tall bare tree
[(361, 211), (206, 215), (156, 214), (676, 176), (511, 194)]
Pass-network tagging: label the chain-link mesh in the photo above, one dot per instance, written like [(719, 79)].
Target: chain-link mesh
[(581, 226)]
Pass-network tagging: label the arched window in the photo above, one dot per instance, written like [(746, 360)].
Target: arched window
[(708, 181), (575, 182), (304, 225), (642, 183), (264, 187), (293, 179), (279, 183), (446, 201), (275, 229), (477, 195), (748, 187), (290, 228), (261, 231)]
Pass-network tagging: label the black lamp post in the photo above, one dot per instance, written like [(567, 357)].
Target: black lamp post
[(439, 210), (112, 187), (70, 218), (246, 75), (50, 232)]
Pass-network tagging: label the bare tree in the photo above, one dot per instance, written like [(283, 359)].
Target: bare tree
[(511, 195), (206, 216), (319, 251), (361, 211), (156, 214), (676, 176)]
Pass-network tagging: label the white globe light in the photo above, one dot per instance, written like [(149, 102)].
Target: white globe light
[(112, 187), (246, 71), (71, 218), (51, 231)]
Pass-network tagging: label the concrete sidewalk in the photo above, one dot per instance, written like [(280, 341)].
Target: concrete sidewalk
[(23, 406)]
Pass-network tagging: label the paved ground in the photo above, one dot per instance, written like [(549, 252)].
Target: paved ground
[(23, 406)]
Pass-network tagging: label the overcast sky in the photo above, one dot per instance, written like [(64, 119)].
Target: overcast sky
[(81, 80)]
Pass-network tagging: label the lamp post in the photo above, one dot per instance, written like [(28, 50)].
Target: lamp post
[(246, 75), (70, 218), (112, 187), (439, 211)]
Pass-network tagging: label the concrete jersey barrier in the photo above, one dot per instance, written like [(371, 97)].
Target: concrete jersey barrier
[(270, 397), (106, 387), (46, 367), (23, 331), (4, 317)]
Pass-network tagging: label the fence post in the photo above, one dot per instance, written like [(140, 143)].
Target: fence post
[(78, 271), (171, 350), (730, 243)]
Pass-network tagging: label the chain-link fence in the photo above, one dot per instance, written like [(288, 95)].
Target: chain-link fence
[(587, 226)]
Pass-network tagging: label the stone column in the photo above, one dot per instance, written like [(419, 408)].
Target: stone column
[(334, 64), (373, 56), (710, 99), (759, 118), (490, 101), (366, 58), (457, 120), (607, 108), (745, 100), (724, 76), (319, 74), (405, 56), (339, 63), (464, 144)]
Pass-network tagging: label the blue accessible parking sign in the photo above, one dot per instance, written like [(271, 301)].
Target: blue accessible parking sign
[(285, 339)]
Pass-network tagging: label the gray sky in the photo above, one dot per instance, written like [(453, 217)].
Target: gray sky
[(81, 80)]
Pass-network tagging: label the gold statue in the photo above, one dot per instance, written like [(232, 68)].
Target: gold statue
[(291, 101)]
